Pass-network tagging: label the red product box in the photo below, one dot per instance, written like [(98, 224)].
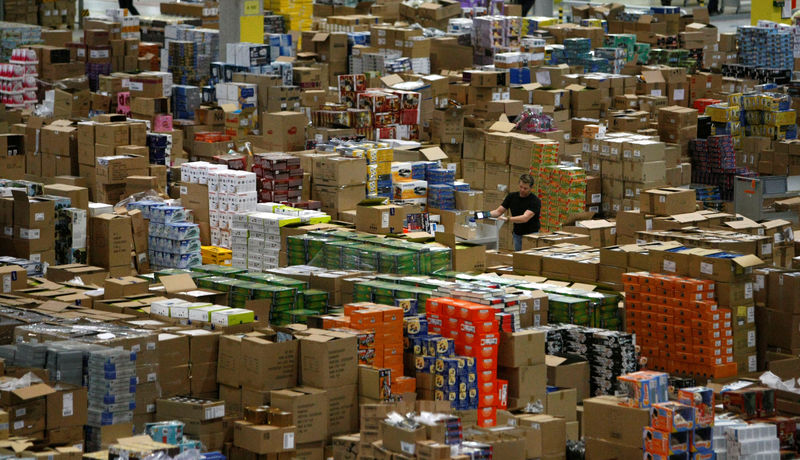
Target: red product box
[(487, 416), (663, 443), (672, 417)]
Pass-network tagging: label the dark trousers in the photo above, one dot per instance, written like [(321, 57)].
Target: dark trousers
[(129, 5), (527, 5)]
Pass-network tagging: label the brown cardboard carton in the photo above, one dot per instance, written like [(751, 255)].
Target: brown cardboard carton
[(115, 170), (269, 365), (194, 410), (667, 201), (525, 383), (524, 348), (627, 426), (471, 200), (111, 240), (67, 407), (562, 403), (203, 345), (342, 409), (230, 353), (553, 431), (569, 372), (79, 196), (398, 439), (339, 171), (264, 439), (328, 360), (383, 219), (14, 278), (116, 288), (335, 199), (284, 131), (173, 350), (309, 406), (474, 143)]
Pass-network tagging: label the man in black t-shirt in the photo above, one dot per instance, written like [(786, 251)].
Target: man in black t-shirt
[(525, 208)]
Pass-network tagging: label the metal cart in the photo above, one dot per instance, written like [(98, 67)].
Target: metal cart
[(487, 233), (753, 197)]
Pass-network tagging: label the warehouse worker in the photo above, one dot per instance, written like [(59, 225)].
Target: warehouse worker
[(525, 208), (128, 4)]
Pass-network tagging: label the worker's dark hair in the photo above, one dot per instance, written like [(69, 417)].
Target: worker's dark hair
[(526, 179)]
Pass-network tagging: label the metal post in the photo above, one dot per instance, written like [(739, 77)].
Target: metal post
[(560, 14)]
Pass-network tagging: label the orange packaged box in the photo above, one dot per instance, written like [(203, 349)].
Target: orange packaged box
[(483, 364), (351, 307), (707, 334), (478, 350), (713, 360), (713, 351), (633, 278), (434, 305), (672, 417), (403, 384), (477, 312), (682, 339), (635, 296), (706, 325), (391, 314), (367, 318), (486, 375), (652, 298), (393, 350), (480, 340), (330, 321), (487, 416), (451, 323), (632, 289), (480, 327), (664, 328), (632, 325)]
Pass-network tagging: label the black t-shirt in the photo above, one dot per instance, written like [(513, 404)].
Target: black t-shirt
[(518, 205)]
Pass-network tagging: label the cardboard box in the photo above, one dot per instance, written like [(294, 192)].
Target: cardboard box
[(562, 402), (309, 407), (668, 201), (67, 406), (398, 439), (78, 196), (284, 131), (14, 278), (190, 409), (115, 170), (628, 421), (339, 171), (269, 365), (111, 241), (264, 439), (328, 359), (569, 372), (342, 409), (524, 348), (383, 219), (116, 288)]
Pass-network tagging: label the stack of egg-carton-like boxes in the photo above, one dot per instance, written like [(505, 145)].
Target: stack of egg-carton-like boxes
[(230, 193), (756, 441), (262, 233)]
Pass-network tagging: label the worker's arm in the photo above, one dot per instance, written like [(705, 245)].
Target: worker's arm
[(521, 219), (498, 212)]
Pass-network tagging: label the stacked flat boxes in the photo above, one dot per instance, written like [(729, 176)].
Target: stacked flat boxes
[(279, 176)]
